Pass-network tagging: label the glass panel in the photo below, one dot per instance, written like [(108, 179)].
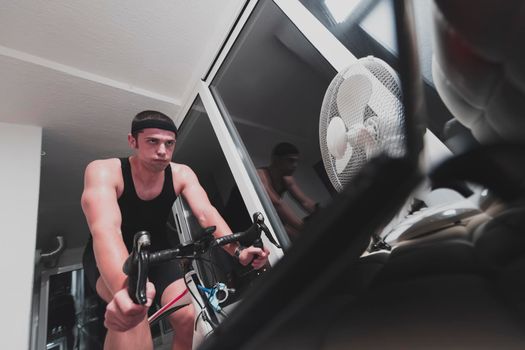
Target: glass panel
[(367, 27), (199, 148), (271, 86)]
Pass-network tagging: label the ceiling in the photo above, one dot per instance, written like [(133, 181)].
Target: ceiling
[(82, 69)]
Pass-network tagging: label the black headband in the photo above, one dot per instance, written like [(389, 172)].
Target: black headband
[(153, 123)]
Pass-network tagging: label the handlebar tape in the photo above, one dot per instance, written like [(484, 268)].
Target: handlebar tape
[(165, 255), (234, 237)]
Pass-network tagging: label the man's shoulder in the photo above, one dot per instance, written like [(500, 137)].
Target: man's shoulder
[(263, 171), (288, 181), (110, 166), (182, 175), (100, 176), (108, 163), (179, 168)]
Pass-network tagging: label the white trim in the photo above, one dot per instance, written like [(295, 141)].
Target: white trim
[(222, 52), (190, 98), (320, 37), (240, 174), (59, 67), (211, 51), (43, 311), (45, 276), (231, 40)]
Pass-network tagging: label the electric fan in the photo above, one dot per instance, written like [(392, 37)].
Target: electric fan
[(361, 117)]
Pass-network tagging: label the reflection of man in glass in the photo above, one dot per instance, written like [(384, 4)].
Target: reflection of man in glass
[(277, 179)]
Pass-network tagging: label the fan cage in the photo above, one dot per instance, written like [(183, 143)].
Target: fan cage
[(383, 118)]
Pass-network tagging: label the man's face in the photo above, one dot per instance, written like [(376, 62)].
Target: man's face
[(154, 147), (288, 163)]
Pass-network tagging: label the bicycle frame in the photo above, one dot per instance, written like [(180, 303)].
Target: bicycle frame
[(205, 316), (206, 307)]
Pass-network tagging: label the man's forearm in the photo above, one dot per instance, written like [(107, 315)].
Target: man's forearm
[(110, 259), (309, 206), (213, 218), (288, 216)]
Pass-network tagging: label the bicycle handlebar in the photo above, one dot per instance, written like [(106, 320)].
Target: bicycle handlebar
[(137, 264), (250, 237), (234, 237)]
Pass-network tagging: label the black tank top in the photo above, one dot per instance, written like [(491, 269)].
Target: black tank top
[(140, 215)]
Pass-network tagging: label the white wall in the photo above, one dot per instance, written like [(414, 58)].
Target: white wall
[(20, 148)]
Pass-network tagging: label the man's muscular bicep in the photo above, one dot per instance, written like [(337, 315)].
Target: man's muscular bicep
[(99, 202), (99, 199), (200, 204), (305, 201), (195, 195), (101, 211), (274, 197)]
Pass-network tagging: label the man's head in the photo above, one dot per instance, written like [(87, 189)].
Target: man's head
[(285, 158), (153, 138), (151, 119)]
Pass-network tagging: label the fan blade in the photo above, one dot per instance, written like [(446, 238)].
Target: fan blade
[(340, 164), (352, 98), (336, 139)]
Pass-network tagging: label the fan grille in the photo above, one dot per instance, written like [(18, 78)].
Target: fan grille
[(366, 96)]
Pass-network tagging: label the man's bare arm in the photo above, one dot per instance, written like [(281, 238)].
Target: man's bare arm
[(308, 204), (200, 204), (285, 212), (99, 203), (207, 215)]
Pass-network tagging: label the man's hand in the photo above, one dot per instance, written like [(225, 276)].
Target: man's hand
[(258, 255), (122, 313)]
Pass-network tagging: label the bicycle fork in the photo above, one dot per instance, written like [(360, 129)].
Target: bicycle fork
[(205, 319)]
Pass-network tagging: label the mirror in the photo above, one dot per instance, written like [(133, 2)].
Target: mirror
[(271, 86)]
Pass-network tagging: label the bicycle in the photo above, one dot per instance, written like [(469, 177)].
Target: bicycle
[(206, 300)]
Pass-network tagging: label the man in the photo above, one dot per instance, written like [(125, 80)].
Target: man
[(277, 179), (123, 196)]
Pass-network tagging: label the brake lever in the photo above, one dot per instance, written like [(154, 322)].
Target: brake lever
[(257, 228), (142, 278), (136, 267), (259, 219), (269, 235)]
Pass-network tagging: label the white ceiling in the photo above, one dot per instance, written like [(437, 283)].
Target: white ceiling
[(83, 69), (154, 45)]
